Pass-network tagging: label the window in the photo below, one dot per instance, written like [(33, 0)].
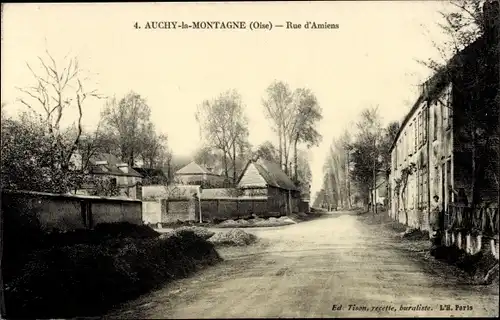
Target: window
[(424, 125), (415, 136), (406, 145), (419, 119), (441, 113), (448, 114), (421, 187), (435, 122), (410, 149), (418, 187)]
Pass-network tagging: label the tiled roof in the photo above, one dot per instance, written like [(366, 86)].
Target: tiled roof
[(111, 167), (268, 172), (192, 168)]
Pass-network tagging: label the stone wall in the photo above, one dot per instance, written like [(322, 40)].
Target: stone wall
[(68, 212)]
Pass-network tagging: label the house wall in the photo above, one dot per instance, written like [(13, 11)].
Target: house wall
[(64, 212), (279, 200), (441, 149), (252, 178), (412, 201)]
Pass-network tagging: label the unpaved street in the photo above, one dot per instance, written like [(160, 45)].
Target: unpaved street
[(302, 270)]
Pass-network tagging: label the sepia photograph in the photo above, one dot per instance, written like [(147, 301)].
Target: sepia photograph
[(266, 159)]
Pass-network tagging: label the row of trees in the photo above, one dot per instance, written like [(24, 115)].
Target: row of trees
[(356, 159), (463, 23), (38, 153), (224, 131)]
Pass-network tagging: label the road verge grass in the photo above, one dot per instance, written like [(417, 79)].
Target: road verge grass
[(86, 273)]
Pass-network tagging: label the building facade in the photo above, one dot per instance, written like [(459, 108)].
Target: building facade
[(195, 174), (422, 158), (107, 168), (446, 144)]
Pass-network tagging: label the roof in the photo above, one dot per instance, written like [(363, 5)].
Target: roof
[(192, 168), (270, 173), (111, 167), (435, 84)]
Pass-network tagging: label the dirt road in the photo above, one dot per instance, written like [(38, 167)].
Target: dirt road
[(310, 268)]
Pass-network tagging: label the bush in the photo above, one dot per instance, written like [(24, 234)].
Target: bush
[(87, 279), (235, 237)]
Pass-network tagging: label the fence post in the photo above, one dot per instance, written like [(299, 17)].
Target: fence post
[(237, 208), (218, 205)]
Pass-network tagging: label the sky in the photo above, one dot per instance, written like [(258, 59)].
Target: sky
[(369, 60)]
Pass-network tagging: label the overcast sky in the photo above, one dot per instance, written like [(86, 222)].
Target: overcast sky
[(369, 60)]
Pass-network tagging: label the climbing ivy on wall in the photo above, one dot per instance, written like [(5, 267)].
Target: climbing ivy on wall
[(401, 184)]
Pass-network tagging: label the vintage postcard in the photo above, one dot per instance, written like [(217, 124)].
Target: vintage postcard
[(302, 159)]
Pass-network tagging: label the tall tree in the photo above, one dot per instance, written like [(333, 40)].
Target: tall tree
[(128, 122), (225, 127), (277, 107), (306, 114), (367, 155), (267, 151)]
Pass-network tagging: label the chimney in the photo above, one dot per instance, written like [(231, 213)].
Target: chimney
[(123, 167)]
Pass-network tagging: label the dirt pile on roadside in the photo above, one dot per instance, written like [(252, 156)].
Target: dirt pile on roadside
[(235, 237), (199, 231), (256, 222)]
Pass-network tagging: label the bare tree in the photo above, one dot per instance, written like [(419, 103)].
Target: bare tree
[(58, 87)]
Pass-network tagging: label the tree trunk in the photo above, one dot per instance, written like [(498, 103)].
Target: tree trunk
[(348, 186), (234, 164), (374, 191), (224, 159), (285, 155), (131, 159), (295, 158), (280, 142)]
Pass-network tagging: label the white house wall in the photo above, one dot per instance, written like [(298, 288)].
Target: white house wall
[(426, 141)]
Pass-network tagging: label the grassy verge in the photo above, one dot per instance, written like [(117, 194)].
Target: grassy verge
[(476, 266), (85, 273)]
